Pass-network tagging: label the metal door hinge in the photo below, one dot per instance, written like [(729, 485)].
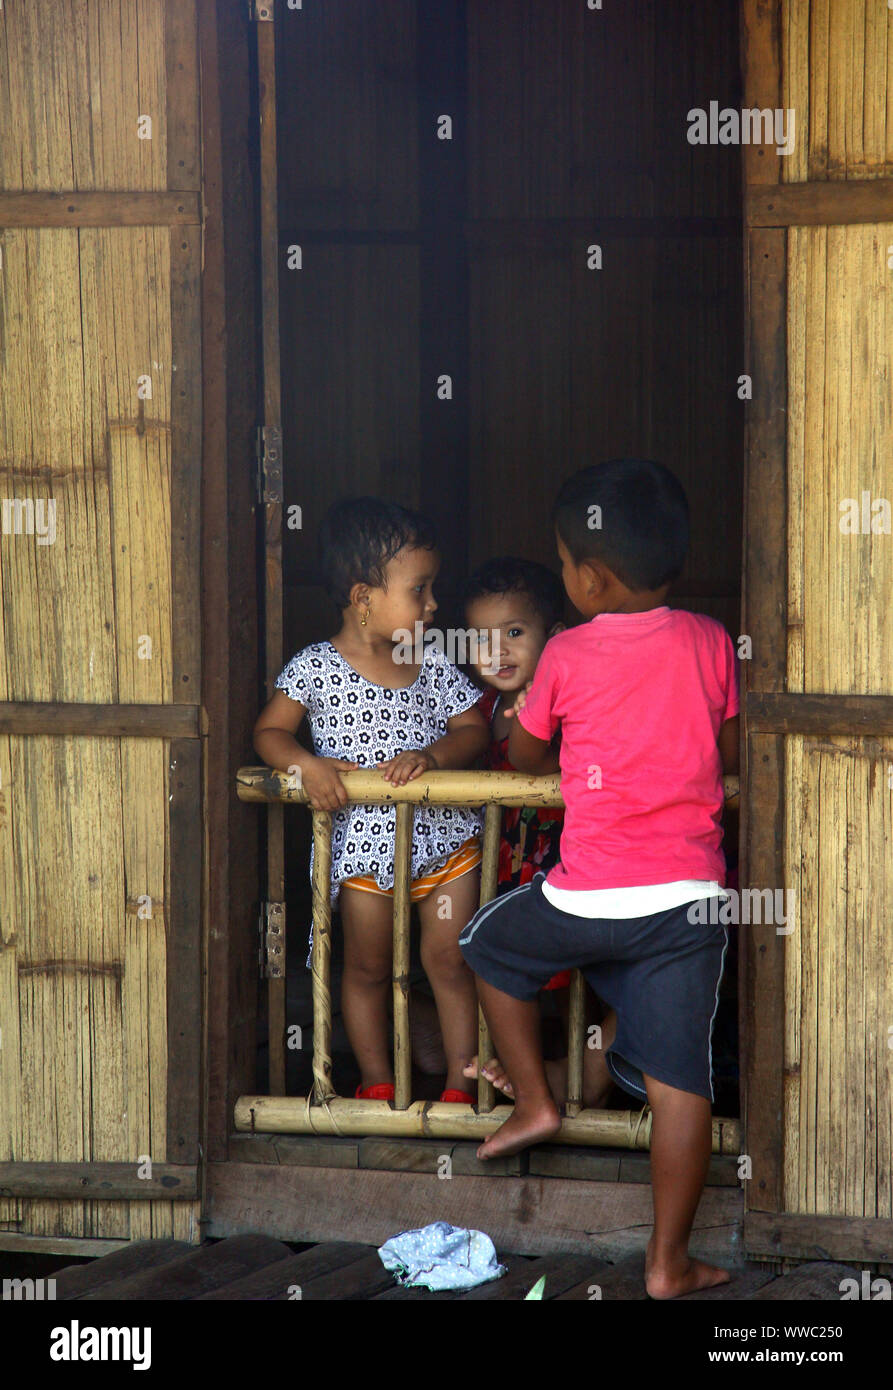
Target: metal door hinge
[(260, 10), (268, 476), (271, 951)]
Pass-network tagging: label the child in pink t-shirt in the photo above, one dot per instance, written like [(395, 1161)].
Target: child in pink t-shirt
[(646, 702)]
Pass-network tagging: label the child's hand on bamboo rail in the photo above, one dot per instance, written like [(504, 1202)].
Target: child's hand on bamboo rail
[(405, 767), (322, 783)]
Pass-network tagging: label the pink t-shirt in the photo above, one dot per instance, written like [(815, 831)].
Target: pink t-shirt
[(639, 698)]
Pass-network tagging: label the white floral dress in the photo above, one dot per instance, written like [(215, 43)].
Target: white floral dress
[(353, 719)]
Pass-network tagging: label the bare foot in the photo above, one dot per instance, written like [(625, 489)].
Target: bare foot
[(676, 1277), (527, 1124), (493, 1071)]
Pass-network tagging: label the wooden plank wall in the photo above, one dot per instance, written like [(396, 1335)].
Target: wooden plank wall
[(91, 1067), (577, 136), (349, 319), (837, 65), (570, 124)]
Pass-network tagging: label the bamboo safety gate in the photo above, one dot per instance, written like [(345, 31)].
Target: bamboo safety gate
[(325, 1112)]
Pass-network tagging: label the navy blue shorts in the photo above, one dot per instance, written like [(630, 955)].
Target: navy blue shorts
[(659, 973)]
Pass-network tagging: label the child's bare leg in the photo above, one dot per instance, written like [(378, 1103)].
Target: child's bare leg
[(597, 1080), (367, 920), (444, 914), (515, 1028), (680, 1155), (425, 1036)]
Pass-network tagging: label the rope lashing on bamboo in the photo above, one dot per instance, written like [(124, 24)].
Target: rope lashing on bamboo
[(636, 1122), (310, 1105)]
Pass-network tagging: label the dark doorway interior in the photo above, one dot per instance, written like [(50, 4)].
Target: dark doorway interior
[(472, 257)]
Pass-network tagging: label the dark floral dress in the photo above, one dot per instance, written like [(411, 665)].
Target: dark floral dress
[(530, 841)]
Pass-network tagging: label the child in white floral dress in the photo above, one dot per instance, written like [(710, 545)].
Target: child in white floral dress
[(366, 709)]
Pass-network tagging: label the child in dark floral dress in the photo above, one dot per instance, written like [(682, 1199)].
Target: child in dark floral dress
[(519, 605)]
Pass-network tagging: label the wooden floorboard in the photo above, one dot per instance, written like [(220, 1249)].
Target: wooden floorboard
[(201, 1271), (622, 1281), (362, 1279), (281, 1281), (260, 1268), (817, 1281), (75, 1281)]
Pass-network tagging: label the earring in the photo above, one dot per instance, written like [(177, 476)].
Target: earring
[(364, 617)]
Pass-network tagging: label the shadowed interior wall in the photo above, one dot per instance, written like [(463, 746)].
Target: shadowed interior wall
[(468, 257)]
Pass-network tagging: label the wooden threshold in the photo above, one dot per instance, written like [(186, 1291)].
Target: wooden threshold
[(525, 1216), (769, 713), (774, 1236), (75, 1246), (119, 209), (106, 721), (114, 1182), (429, 1155)]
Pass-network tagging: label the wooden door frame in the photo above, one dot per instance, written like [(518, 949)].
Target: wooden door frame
[(769, 712), (230, 690)]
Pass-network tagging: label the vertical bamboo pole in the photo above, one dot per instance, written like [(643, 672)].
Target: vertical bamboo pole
[(402, 909), (489, 879), (321, 959), (576, 1030)]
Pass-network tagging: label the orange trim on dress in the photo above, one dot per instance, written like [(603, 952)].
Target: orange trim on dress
[(461, 861)]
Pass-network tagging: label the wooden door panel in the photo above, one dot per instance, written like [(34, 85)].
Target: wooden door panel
[(100, 752), (818, 707)]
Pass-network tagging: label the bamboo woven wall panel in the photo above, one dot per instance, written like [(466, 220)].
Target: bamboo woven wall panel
[(83, 1067), (85, 839), (837, 73), (838, 1105), (90, 307), (840, 446), (101, 67)]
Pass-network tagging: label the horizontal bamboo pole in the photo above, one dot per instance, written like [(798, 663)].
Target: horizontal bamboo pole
[(610, 1129), (446, 788)]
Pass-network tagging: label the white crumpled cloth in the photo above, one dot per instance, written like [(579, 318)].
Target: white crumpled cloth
[(441, 1256)]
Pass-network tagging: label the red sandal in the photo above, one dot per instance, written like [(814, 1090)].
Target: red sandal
[(454, 1097), (384, 1090)]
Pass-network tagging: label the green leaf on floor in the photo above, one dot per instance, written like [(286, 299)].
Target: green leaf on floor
[(537, 1290)]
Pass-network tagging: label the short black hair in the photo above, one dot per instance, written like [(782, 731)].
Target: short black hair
[(511, 575), (360, 535), (632, 514)]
